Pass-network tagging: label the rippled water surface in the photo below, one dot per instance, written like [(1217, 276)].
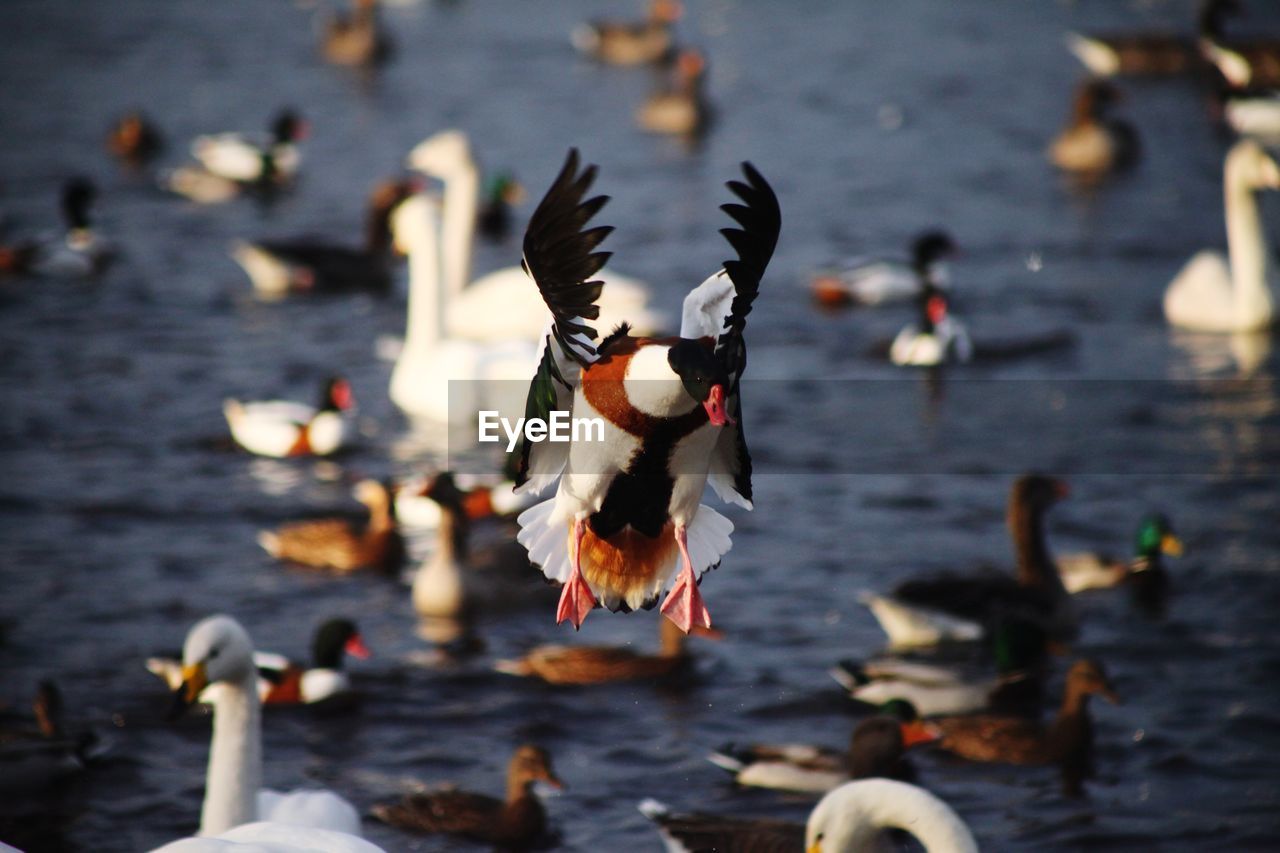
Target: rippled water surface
[(123, 519)]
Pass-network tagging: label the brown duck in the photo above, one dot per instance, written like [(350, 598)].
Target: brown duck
[(515, 822), (631, 42), (1067, 741), (557, 664), (679, 106), (1094, 142), (335, 543), (134, 139), (357, 38)]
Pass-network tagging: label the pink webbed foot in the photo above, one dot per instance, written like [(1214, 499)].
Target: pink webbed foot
[(576, 601), (684, 605)]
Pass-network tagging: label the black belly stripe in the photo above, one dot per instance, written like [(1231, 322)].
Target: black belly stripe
[(640, 496)]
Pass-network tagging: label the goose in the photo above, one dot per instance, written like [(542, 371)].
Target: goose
[(481, 498), (499, 305), (1155, 538), (679, 106), (963, 606), (560, 664), (1094, 142), (876, 281), (626, 513), (1217, 294), (1146, 54), (876, 749), (934, 690), (334, 543), (283, 682), (1067, 741), (133, 139), (514, 822), (936, 338), (280, 428), (853, 817), (218, 651), (79, 252), (430, 357), (631, 42), (501, 193), (277, 268), (357, 38), (240, 158)]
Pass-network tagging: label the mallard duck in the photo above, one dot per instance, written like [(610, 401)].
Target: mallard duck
[(627, 519), (876, 281), (515, 821), (849, 819), (218, 651), (281, 428), (247, 160), (1155, 538), (501, 193), (559, 664), (631, 42), (1067, 741), (356, 38), (877, 748), (1094, 142), (283, 682), (335, 543), (963, 607)]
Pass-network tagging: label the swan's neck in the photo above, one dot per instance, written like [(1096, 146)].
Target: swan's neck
[(1250, 254), (866, 811), (235, 758), (461, 198), (426, 297)]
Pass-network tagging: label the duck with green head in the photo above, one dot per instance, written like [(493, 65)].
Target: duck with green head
[(1154, 540)]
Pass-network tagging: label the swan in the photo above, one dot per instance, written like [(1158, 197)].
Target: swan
[(1212, 294), (218, 651), (851, 817), (501, 305), (430, 358)]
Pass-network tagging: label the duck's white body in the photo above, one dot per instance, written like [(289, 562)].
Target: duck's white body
[(199, 185), (853, 817), (1254, 116), (275, 428), (416, 511), (218, 651), (1212, 294), (238, 158), (930, 699), (485, 375), (318, 683), (501, 305), (793, 770), (949, 341), (909, 627), (1086, 570)]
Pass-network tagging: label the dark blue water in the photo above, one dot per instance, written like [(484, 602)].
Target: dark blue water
[(122, 524)]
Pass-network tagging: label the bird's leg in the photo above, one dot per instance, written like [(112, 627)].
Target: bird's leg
[(684, 605), (576, 599)]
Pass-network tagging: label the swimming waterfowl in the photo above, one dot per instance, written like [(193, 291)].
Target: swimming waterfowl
[(1067, 741), (501, 193), (39, 753), (514, 822), (481, 498), (79, 252), (309, 265), (875, 281), (439, 584), (1155, 538), (560, 664), (283, 682), (631, 42), (850, 818), (218, 651), (627, 512), (356, 38), (936, 338), (134, 139), (679, 106), (1147, 54), (280, 428), (334, 543), (1019, 650), (979, 601), (1236, 294), (500, 305), (1094, 142), (876, 749), (1245, 63), (244, 159)]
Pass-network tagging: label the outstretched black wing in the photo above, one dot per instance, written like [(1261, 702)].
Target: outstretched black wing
[(560, 256), (761, 221)]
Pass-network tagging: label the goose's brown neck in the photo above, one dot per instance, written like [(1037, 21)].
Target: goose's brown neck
[(1026, 527)]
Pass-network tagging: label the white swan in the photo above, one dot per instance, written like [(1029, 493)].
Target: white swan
[(236, 808), (852, 817), (420, 382), (502, 305), (1212, 294)]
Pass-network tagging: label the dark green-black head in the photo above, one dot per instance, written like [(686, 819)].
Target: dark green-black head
[(931, 246), (335, 638), (77, 195), (288, 126), (704, 377)]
